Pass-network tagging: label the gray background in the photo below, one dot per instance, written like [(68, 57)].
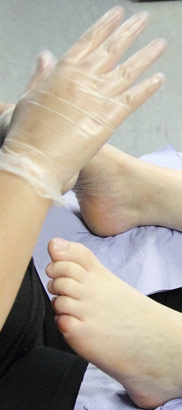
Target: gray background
[(29, 26)]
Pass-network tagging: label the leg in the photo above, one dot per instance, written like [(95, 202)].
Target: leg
[(134, 339), (117, 192)]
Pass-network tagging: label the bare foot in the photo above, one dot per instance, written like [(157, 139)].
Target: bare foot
[(129, 336), (117, 192), (107, 193)]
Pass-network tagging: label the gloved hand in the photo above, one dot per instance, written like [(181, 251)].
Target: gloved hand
[(59, 125), (44, 63)]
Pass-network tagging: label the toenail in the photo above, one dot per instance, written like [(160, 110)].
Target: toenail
[(59, 244)]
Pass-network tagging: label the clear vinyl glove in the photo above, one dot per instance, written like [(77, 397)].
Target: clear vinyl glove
[(60, 124)]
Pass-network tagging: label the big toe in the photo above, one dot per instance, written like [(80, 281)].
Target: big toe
[(73, 252)]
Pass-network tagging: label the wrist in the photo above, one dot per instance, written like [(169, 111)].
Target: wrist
[(17, 190), (27, 166)]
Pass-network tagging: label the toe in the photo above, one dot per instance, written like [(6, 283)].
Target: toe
[(69, 326), (64, 286), (68, 306), (66, 270), (73, 252)]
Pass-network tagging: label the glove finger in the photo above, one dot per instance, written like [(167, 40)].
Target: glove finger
[(94, 36)]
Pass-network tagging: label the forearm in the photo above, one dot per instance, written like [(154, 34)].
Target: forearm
[(22, 214)]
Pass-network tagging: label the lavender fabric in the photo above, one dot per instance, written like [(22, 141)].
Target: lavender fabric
[(148, 258)]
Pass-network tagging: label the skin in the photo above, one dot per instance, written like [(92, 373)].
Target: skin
[(117, 192), (129, 336), (19, 206), (69, 268), (140, 192), (16, 192)]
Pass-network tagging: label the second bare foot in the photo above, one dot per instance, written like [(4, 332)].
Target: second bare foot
[(129, 336), (117, 192)]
